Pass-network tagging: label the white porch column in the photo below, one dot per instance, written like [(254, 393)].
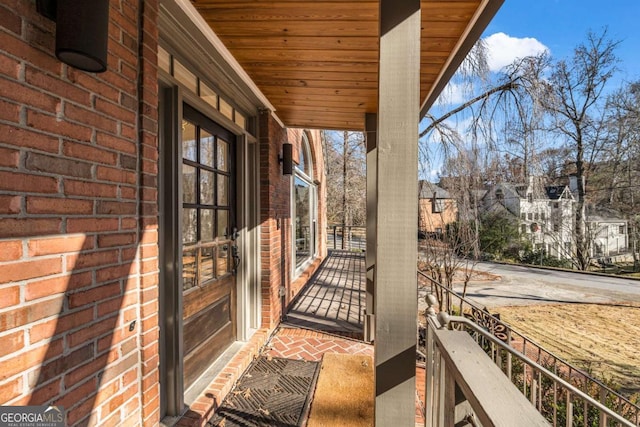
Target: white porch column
[(395, 281)]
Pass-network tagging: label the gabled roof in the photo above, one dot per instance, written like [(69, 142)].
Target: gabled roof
[(317, 61), (555, 192), (426, 190)]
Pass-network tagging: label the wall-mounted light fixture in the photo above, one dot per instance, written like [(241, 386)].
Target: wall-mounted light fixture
[(287, 159), (82, 31)]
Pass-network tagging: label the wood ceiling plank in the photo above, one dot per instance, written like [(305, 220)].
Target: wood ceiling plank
[(448, 11), (325, 108), (268, 82), (290, 29), (337, 100), (302, 91), (306, 42), (432, 68), (315, 121), (285, 55), (308, 109), (442, 44), (314, 66), (328, 76), (439, 29), (292, 11), (356, 116)]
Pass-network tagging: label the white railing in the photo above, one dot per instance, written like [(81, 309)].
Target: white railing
[(489, 385), (523, 345)]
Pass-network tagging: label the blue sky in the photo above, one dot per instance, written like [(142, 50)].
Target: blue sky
[(528, 27), (561, 24)]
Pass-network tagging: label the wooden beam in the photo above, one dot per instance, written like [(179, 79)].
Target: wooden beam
[(397, 212)]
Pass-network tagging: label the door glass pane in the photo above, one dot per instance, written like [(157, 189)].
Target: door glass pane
[(189, 268), (302, 221), (207, 187), (206, 264), (223, 224), (223, 190), (206, 225), (189, 226), (188, 184), (189, 141), (223, 154), (223, 265), (207, 148)]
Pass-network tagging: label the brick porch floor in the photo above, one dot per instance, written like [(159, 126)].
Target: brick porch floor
[(325, 318)]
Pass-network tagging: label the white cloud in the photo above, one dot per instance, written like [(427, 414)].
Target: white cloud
[(504, 49), (434, 174), (452, 94)]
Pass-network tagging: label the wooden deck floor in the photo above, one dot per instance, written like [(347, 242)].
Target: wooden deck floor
[(334, 299), (327, 317)]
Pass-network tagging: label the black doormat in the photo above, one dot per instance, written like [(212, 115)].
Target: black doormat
[(272, 392)]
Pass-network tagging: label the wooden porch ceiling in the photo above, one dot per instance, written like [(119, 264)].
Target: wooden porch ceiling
[(317, 61)]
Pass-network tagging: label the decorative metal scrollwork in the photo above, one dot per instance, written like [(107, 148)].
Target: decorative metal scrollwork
[(485, 320)]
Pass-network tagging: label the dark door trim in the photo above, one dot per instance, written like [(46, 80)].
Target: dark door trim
[(170, 301)]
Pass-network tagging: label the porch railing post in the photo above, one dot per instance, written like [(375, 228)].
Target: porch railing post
[(335, 236)]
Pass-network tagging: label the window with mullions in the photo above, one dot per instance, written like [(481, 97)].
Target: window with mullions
[(206, 206)]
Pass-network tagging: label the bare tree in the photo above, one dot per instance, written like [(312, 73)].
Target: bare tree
[(345, 164), (575, 100)]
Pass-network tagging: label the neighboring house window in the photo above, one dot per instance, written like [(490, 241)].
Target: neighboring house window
[(304, 207), (523, 216), (530, 197), (542, 215), (530, 216), (555, 205), (523, 228), (556, 227), (437, 205), (535, 216), (621, 229), (438, 230), (567, 246)]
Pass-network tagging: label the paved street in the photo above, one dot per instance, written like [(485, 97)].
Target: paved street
[(519, 285)]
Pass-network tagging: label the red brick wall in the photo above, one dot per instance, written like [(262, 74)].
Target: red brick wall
[(274, 214), (78, 227), (275, 205)]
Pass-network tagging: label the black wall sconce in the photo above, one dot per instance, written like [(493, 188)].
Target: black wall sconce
[(287, 159), (82, 31)]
